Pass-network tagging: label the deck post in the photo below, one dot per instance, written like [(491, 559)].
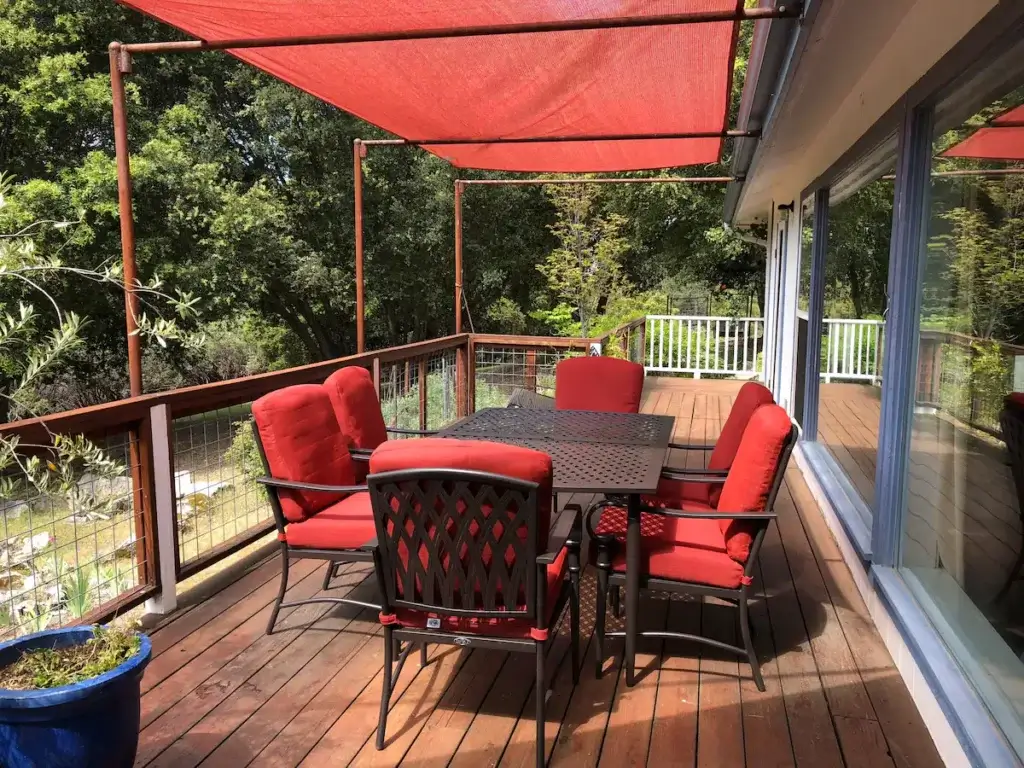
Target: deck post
[(358, 153), (120, 65), (458, 256), (164, 500)]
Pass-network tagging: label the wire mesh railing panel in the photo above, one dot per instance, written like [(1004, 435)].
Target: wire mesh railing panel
[(501, 370), (400, 394), (442, 389), (71, 546), (216, 463)]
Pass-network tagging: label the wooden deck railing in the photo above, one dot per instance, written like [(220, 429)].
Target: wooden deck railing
[(190, 461)]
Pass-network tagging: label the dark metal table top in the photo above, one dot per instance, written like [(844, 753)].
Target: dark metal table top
[(591, 452)]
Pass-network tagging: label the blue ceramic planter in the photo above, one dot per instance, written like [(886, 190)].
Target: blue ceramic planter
[(92, 724)]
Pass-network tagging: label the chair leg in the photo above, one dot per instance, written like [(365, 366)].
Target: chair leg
[(281, 590), (423, 654), (615, 601), (748, 643), (574, 625), (331, 565), (602, 596), (541, 694), (385, 695)]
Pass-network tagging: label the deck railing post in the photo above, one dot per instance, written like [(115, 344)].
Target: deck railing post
[(530, 372), (471, 376), (165, 515), (461, 403), (423, 375)]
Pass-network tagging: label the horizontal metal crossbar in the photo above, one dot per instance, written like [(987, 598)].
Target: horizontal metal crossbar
[(563, 25)]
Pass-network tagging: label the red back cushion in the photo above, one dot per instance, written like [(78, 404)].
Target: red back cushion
[(753, 472), (598, 384), (302, 442), (1015, 400), (480, 456), (751, 397), (357, 407)]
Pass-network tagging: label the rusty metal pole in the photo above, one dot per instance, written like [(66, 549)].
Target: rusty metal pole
[(120, 65), (358, 153), (458, 256)]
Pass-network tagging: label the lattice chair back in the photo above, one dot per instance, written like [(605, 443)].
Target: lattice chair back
[(455, 537), (598, 384), (1011, 422), (356, 406)]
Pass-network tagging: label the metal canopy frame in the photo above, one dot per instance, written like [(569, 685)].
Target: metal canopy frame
[(121, 59)]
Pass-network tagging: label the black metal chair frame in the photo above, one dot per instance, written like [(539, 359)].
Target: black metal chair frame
[(609, 578), (289, 553), (445, 587), (1011, 423)]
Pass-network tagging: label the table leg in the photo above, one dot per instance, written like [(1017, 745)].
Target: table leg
[(632, 584)]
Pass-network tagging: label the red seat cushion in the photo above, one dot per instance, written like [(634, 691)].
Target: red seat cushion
[(515, 628), (303, 443), (598, 384), (752, 475), (690, 549), (473, 455), (1015, 399), (750, 397), (673, 492), (346, 524)]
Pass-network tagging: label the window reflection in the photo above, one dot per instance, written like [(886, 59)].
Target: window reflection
[(962, 541), (856, 276)]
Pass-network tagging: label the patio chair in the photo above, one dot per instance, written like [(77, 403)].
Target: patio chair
[(524, 398), (688, 547), (598, 384), (360, 417), (469, 555), (319, 509), (1011, 423), (723, 451)]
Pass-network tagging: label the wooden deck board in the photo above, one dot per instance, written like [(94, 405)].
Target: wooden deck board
[(221, 693)]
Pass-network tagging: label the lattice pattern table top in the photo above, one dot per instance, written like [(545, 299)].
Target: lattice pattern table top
[(591, 452)]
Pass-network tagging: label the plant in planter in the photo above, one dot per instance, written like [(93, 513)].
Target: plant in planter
[(71, 697)]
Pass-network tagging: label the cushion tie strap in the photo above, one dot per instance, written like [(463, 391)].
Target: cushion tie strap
[(746, 580), (387, 619), (540, 635), (281, 536)]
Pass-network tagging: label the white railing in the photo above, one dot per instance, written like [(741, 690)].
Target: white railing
[(701, 345), (853, 350)]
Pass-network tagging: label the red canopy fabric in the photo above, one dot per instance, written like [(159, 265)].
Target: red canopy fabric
[(1003, 139), (605, 82)]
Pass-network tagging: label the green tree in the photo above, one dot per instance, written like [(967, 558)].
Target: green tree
[(586, 267)]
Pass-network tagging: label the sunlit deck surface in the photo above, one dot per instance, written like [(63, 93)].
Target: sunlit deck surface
[(219, 692)]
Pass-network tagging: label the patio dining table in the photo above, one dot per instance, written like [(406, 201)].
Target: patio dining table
[(591, 452)]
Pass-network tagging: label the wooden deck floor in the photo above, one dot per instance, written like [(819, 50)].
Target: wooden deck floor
[(219, 692)]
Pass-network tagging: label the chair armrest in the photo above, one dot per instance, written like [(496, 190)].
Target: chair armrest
[(716, 515), (404, 431), (692, 446), (695, 475), (561, 533), (296, 486), (360, 454)]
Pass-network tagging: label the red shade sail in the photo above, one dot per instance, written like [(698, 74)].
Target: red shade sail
[(638, 81), (1003, 139)]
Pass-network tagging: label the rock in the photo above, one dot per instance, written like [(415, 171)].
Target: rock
[(187, 487), (126, 548), (12, 510), (35, 544)]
